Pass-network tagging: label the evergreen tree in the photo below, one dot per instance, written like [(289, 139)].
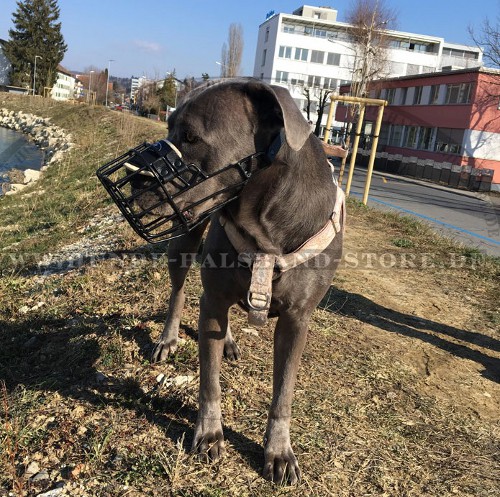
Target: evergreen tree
[(36, 32)]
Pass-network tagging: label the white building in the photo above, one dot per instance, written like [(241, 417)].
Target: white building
[(4, 67), (64, 87), (311, 49)]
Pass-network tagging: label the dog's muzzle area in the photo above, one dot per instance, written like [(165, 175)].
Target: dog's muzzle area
[(162, 196)]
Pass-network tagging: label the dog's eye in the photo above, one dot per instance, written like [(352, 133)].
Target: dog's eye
[(190, 137)]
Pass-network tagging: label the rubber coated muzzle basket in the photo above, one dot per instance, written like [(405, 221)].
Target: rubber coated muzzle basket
[(158, 173)]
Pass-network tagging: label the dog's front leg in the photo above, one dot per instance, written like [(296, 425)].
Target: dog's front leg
[(181, 255), (280, 464), (208, 437)]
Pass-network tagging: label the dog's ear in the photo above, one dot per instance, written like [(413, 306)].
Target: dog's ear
[(278, 101)]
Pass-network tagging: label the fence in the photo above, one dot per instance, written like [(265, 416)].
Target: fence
[(443, 173)]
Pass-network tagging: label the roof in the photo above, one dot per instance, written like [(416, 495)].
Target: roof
[(478, 69), (63, 70)]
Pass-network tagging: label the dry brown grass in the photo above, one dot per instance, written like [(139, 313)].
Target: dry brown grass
[(397, 393)]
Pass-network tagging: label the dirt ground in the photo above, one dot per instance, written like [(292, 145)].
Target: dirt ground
[(398, 392), (429, 318)]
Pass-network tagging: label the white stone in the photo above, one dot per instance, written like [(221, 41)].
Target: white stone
[(31, 175)]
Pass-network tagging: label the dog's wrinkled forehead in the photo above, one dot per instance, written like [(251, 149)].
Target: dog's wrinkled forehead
[(209, 109), (234, 104)]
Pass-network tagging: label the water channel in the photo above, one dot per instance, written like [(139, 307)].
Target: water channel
[(17, 152)]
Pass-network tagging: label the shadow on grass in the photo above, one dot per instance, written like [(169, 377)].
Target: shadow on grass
[(61, 356), (437, 334)]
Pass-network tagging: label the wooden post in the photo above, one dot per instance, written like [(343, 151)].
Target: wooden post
[(373, 151), (354, 151), (362, 102)]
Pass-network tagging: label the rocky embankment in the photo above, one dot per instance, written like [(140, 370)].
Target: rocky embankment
[(51, 139)]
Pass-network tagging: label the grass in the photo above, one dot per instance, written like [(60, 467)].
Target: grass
[(397, 394)]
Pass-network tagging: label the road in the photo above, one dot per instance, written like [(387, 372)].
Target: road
[(469, 217)]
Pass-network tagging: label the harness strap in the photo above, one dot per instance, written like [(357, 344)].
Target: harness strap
[(264, 265)]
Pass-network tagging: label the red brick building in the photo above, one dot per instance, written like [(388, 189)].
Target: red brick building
[(448, 116)]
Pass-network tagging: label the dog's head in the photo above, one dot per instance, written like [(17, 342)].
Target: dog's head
[(217, 138)]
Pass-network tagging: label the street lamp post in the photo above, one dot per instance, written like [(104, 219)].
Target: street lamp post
[(90, 86), (107, 82), (34, 73)]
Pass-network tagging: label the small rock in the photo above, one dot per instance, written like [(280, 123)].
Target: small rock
[(32, 469), (250, 331), (52, 493), (182, 380), (31, 175), (24, 309), (40, 476)]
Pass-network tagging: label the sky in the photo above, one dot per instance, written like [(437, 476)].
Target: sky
[(153, 37)]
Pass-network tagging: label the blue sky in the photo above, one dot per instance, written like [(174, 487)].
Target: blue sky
[(151, 37)]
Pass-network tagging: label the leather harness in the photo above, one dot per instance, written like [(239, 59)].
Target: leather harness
[(266, 267)]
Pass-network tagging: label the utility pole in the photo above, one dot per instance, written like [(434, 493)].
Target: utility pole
[(90, 87), (107, 82)]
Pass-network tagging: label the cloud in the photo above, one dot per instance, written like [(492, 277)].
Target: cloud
[(147, 46)]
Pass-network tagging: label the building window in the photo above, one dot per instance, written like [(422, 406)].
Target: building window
[(459, 93), (404, 93), (434, 95), (285, 52), (314, 81), (395, 135), (317, 56), (425, 136), (288, 28), (301, 54), (333, 59), (298, 80), (390, 94), (320, 33), (410, 137), (417, 96), (449, 140), (412, 69), (281, 77), (264, 54), (330, 83), (266, 37)]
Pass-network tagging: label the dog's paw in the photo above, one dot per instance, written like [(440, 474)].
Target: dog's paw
[(281, 466), (163, 349), (208, 440), (231, 350)]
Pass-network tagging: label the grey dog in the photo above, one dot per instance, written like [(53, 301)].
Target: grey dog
[(285, 203)]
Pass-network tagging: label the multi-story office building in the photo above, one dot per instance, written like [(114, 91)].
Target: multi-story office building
[(311, 49)]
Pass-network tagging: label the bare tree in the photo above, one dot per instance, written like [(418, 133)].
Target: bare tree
[(232, 52), (489, 40), (369, 20)]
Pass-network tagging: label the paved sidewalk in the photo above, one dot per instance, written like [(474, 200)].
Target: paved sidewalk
[(471, 218)]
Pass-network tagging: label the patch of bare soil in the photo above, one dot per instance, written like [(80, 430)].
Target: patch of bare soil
[(428, 315)]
